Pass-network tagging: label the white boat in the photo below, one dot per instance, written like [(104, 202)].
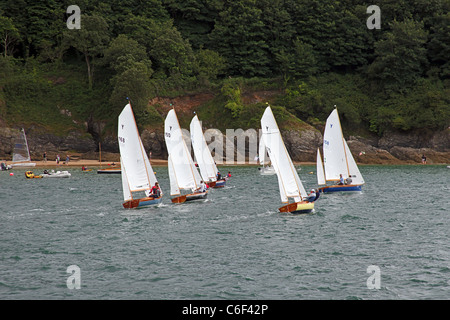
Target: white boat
[(183, 174), (288, 180), (21, 152), (57, 174), (137, 173), (205, 161), (337, 160), (265, 170)]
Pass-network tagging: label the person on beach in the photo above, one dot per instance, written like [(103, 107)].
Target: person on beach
[(424, 159), (44, 156), (57, 159)]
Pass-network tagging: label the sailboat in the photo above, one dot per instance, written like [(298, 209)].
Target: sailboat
[(137, 173), (264, 170), (288, 180), (183, 174), (337, 160), (205, 161), (21, 152), (112, 170)]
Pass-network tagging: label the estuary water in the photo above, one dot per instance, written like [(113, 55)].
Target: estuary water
[(234, 245)]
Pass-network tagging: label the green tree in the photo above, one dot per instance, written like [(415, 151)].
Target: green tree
[(439, 45), (400, 56), (8, 34), (209, 65), (238, 36), (300, 63), (91, 40), (121, 49), (194, 19)]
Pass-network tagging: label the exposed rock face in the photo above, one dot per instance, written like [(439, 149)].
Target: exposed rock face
[(302, 145), (392, 148), (154, 142)]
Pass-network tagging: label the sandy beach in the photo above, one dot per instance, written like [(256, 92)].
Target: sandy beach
[(90, 163), (109, 164)]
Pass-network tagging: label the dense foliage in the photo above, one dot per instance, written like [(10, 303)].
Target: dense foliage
[(320, 53)]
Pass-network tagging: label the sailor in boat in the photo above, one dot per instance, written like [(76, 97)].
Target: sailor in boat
[(155, 192), (341, 180), (313, 196), (348, 180), (202, 187), (219, 176)]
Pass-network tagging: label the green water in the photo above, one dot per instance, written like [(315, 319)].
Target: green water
[(235, 245)]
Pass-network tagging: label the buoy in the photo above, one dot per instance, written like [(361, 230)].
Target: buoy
[(11, 174)]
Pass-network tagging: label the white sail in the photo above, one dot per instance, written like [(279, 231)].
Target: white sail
[(289, 182), (319, 169), (134, 160), (262, 151), (174, 189), (125, 187), (150, 172), (333, 149), (205, 161), (21, 152), (353, 167), (183, 165)]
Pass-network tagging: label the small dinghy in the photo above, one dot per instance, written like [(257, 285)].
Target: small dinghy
[(137, 173), (288, 180), (57, 174), (183, 175)]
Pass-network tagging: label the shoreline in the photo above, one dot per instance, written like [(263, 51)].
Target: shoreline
[(161, 162)]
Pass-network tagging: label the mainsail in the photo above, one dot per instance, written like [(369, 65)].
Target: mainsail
[(337, 156), (21, 152), (205, 161), (319, 168), (137, 173), (185, 174), (288, 180)]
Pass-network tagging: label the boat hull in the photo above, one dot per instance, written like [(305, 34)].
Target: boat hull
[(217, 184), (23, 164), (31, 175), (267, 171), (58, 174), (190, 197), (341, 188), (298, 207), (109, 171), (143, 202)]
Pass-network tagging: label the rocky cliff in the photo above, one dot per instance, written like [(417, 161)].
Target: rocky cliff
[(391, 148)]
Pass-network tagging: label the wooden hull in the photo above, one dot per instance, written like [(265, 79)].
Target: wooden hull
[(220, 183), (298, 207), (217, 184), (109, 171), (190, 197), (341, 188), (137, 203)]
